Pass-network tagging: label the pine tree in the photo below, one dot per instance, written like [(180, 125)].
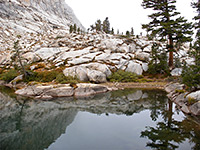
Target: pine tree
[(132, 31), (112, 31), (106, 26), (17, 56), (167, 24), (98, 25), (71, 29), (191, 74), (78, 30), (196, 46), (127, 33), (92, 27), (74, 28)]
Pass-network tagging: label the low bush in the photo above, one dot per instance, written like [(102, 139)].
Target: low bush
[(9, 75), (44, 76), (179, 91), (191, 101), (49, 76), (61, 78), (191, 76), (122, 76)]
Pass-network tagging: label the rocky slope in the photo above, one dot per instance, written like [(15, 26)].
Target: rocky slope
[(90, 57), (35, 16), (41, 26)]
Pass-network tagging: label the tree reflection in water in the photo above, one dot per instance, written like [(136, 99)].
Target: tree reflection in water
[(170, 133), (35, 125)]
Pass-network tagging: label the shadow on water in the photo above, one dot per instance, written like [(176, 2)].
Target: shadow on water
[(35, 125)]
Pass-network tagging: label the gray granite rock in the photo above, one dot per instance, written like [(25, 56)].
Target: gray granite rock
[(96, 76), (194, 95), (176, 72), (134, 67), (195, 109)]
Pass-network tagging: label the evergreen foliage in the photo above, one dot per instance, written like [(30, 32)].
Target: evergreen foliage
[(191, 74), (122, 76), (127, 33), (9, 75), (132, 31), (74, 28), (98, 25), (71, 29), (158, 63), (106, 26), (78, 30), (167, 24), (112, 31), (17, 56), (196, 47)]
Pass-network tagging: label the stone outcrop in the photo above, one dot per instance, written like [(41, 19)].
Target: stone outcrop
[(36, 15), (188, 103), (64, 90), (89, 56), (176, 72), (194, 95)]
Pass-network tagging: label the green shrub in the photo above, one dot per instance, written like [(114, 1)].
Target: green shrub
[(49, 76), (9, 75), (31, 77), (191, 101), (122, 76), (191, 76), (44, 76), (61, 78), (179, 91)]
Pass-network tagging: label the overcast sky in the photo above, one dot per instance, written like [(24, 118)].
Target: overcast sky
[(122, 14)]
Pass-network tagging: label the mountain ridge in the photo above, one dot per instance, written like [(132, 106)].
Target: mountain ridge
[(36, 16)]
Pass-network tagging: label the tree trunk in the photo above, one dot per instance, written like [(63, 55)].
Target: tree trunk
[(21, 64), (171, 47)]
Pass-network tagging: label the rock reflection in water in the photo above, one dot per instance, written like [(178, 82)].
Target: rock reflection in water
[(36, 125), (32, 125)]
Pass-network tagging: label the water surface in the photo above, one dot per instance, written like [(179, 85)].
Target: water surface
[(131, 119)]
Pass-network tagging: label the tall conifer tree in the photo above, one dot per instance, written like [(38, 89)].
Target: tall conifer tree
[(166, 24), (196, 5), (98, 25), (191, 73), (106, 26)]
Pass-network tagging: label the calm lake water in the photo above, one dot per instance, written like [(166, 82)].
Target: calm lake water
[(131, 119)]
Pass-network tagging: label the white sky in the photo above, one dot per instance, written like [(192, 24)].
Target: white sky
[(122, 14)]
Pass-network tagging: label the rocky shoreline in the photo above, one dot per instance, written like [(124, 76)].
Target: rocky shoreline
[(49, 91), (189, 103)]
